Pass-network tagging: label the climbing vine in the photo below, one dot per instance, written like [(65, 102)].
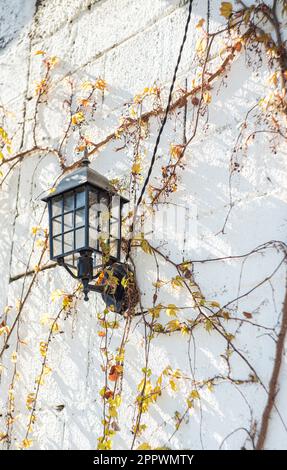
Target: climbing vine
[(252, 31)]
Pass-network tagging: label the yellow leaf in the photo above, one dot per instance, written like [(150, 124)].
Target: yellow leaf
[(41, 87), (173, 385), (101, 84), (77, 118), (177, 374), (40, 380), (43, 348), (87, 85), (56, 294), (207, 97), (113, 412), (55, 328), (194, 394), (4, 330), (208, 325), (104, 444), (184, 330), (247, 16), (46, 370), (4, 136), (39, 52), (145, 246), (200, 23), (273, 80), (35, 229), (171, 310), (159, 381), (210, 386), (14, 357), (229, 337), (155, 311), (213, 303), (26, 443), (189, 403), (40, 242), (226, 9), (52, 61), (36, 268), (177, 282), (200, 46), (136, 168), (176, 150), (30, 400), (117, 400), (133, 112), (144, 446), (67, 301), (173, 325)]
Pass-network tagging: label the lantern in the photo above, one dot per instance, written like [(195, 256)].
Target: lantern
[(85, 216)]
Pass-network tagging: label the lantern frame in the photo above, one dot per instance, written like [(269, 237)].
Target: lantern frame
[(73, 221)]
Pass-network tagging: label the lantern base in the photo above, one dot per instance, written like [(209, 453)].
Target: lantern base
[(111, 282)]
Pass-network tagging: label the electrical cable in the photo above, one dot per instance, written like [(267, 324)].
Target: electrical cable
[(167, 107), (163, 121)]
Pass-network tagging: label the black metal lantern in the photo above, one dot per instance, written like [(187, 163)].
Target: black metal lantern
[(85, 214)]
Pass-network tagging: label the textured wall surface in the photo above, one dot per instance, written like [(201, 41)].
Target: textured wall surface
[(134, 44)]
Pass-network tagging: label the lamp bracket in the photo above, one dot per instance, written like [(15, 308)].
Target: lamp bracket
[(108, 280)]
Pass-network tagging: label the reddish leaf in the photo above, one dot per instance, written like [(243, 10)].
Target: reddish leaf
[(115, 372), (247, 315)]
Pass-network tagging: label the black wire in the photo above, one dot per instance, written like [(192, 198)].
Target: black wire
[(208, 17), (167, 107), (162, 125)]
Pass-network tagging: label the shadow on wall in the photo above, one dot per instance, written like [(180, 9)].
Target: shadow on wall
[(15, 16), (75, 352)]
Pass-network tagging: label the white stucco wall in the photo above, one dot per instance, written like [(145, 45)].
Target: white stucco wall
[(133, 44)]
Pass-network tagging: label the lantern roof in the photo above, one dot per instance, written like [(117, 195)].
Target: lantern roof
[(81, 176)]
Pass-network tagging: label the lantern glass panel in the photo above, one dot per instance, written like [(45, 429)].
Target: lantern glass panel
[(57, 245), (80, 199), (80, 218), (79, 238), (93, 220), (68, 221), (115, 227), (115, 217), (104, 217), (68, 202), (57, 225), (71, 232), (68, 241), (99, 217), (57, 206)]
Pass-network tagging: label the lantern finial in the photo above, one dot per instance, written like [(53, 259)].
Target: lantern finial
[(85, 161)]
